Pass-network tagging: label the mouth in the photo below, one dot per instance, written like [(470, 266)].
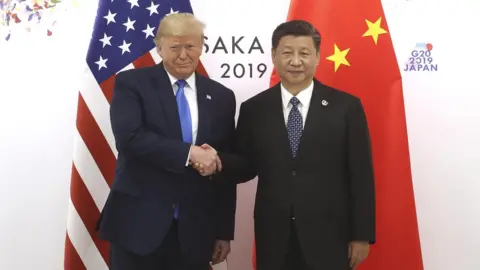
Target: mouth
[(293, 72)]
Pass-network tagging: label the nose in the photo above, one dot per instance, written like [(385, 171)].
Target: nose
[(183, 53), (295, 61)]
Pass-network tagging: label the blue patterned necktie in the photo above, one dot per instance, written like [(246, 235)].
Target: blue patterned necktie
[(185, 118), (294, 126)]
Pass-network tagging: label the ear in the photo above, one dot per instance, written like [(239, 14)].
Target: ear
[(318, 58), (159, 51), (274, 53)]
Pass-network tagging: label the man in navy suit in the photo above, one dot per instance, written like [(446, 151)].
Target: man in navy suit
[(162, 213)]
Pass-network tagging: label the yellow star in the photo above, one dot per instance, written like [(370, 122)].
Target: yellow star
[(76, 3), (374, 30), (339, 57)]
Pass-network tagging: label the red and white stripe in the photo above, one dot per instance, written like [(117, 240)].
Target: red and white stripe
[(93, 166)]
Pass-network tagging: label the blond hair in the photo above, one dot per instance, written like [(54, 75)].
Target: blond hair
[(179, 24)]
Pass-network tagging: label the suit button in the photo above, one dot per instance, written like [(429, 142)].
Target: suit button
[(294, 173)]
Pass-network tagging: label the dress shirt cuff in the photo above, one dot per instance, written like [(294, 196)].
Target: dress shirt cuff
[(188, 157)]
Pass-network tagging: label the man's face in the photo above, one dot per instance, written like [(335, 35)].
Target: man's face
[(180, 54), (295, 59)]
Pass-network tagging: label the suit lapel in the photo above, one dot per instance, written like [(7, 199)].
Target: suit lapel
[(279, 128), (316, 115), (204, 98), (166, 96)]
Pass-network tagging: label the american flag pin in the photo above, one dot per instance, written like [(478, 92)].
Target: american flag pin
[(324, 102), (209, 97)]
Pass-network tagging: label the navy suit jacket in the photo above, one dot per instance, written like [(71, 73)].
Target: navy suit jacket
[(151, 175)]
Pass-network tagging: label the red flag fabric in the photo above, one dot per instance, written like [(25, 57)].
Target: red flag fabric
[(357, 56)]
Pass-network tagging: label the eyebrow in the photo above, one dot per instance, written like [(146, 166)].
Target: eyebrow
[(290, 47)]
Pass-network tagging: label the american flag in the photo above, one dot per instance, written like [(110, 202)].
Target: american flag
[(122, 39)]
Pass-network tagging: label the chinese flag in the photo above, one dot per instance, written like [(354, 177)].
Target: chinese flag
[(357, 56)]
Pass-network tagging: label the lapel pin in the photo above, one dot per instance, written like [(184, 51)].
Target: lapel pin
[(209, 97), (324, 103)]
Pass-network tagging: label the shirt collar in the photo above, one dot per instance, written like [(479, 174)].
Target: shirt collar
[(304, 96), (190, 80)]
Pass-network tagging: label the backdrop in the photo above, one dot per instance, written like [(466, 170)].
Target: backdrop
[(43, 69)]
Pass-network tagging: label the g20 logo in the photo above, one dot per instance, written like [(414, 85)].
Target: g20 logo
[(421, 59)]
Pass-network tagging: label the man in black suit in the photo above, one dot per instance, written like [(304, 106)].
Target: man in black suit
[(161, 213), (309, 145)]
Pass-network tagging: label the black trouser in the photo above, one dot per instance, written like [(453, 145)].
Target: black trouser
[(294, 259), (166, 257)]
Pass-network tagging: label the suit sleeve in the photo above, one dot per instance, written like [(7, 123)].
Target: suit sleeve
[(238, 165), (136, 141), (361, 176), (227, 190)]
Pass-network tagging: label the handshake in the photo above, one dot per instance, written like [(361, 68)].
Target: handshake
[(205, 160)]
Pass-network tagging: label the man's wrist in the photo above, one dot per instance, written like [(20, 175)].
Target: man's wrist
[(188, 157)]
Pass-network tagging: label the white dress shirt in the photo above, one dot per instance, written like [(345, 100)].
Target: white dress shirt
[(303, 96), (190, 91)]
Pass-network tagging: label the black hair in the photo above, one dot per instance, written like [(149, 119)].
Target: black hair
[(296, 28)]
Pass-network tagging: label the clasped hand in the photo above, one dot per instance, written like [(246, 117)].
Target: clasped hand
[(357, 253), (205, 160)]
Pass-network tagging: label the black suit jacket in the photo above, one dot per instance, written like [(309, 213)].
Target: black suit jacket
[(151, 176), (328, 187)]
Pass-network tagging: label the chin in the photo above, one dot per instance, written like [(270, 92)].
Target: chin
[(296, 79), (185, 70)]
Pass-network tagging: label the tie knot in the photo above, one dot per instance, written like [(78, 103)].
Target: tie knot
[(181, 83), (294, 101)]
